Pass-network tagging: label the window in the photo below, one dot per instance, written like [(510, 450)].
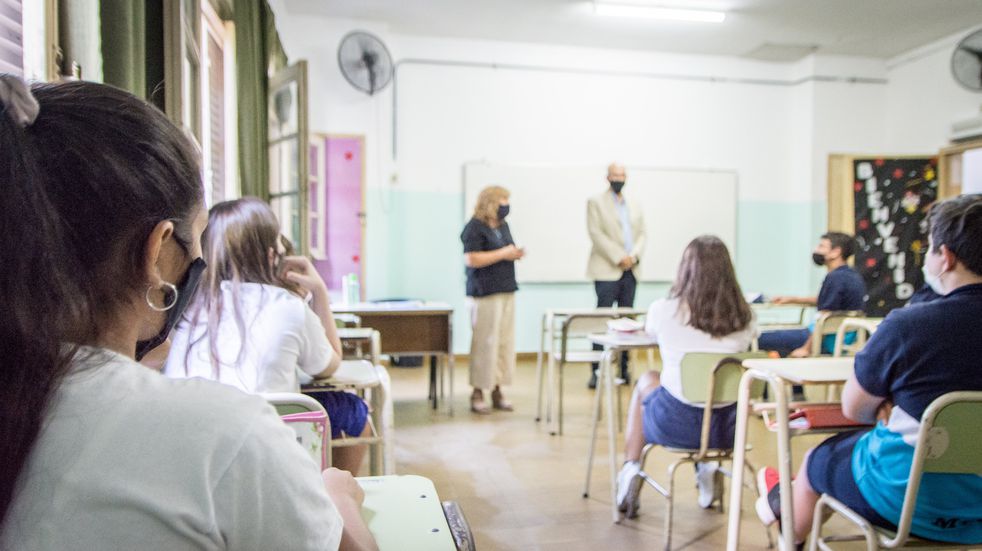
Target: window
[(11, 37), (218, 107)]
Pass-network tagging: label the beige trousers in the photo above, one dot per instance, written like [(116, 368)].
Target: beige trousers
[(493, 340)]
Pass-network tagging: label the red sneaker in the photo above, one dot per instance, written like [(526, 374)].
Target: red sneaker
[(768, 505)]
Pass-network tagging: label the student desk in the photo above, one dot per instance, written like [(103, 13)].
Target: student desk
[(614, 344), (413, 329), (779, 373), (549, 335), (404, 513)]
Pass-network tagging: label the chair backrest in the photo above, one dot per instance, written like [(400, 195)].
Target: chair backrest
[(578, 326), (705, 371), (862, 328), (827, 323), (710, 378), (947, 443), (309, 421)]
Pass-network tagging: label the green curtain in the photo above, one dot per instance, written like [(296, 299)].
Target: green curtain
[(132, 35), (123, 25), (258, 53)]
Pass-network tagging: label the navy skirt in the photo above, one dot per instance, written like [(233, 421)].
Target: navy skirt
[(347, 412), (669, 422)]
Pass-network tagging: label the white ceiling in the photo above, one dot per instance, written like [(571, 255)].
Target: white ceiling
[(875, 28)]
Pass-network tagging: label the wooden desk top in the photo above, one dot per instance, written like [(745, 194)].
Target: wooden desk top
[(355, 333), (805, 370), (350, 374), (408, 308)]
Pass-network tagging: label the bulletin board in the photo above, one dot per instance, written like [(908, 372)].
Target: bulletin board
[(883, 201)]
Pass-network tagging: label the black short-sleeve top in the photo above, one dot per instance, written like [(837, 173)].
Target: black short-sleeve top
[(498, 277)]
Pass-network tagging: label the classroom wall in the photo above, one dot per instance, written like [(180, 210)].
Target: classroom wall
[(923, 98), (776, 134)]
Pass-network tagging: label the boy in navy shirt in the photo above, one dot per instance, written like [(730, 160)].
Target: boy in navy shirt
[(842, 289), (916, 355)]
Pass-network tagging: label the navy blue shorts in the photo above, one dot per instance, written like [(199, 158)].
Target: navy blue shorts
[(347, 412), (830, 472), (667, 421)]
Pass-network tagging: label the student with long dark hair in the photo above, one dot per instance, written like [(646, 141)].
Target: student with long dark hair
[(249, 328), (704, 312), (101, 213)]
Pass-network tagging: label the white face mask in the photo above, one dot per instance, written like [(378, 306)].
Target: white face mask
[(933, 280)]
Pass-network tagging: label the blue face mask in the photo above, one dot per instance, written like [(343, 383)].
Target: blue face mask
[(183, 291), (503, 211)]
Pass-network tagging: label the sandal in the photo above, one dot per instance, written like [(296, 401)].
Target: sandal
[(478, 405), (499, 402)]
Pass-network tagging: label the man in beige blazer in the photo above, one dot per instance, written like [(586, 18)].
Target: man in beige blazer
[(616, 228)]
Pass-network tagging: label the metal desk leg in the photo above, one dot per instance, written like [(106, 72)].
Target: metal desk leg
[(609, 391), (601, 381), (784, 461), (433, 367), (450, 362), (551, 414), (539, 374), (739, 460)]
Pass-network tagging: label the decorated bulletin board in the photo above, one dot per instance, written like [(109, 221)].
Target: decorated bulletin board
[(884, 203)]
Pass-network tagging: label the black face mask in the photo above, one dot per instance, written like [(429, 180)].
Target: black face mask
[(818, 259), (185, 290), (503, 211), (617, 186)]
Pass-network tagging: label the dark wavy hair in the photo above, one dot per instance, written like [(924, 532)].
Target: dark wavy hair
[(81, 189), (957, 224), (707, 287)]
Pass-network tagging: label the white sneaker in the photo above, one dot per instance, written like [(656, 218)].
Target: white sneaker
[(629, 487), (706, 482)]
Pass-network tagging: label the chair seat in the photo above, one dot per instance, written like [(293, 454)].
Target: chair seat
[(584, 357)]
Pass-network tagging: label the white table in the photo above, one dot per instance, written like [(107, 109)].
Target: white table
[(613, 344), (404, 513), (547, 334), (779, 372)]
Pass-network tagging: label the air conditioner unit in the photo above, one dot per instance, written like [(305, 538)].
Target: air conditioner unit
[(967, 129)]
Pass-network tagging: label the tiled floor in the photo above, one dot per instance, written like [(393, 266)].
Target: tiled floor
[(521, 488)]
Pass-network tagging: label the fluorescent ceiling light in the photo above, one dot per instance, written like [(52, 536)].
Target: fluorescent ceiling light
[(656, 12)]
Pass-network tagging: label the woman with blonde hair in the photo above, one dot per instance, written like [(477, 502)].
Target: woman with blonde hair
[(490, 254)]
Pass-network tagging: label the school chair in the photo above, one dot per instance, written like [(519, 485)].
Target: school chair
[(360, 376), (947, 443), (574, 329), (308, 420), (707, 379), (861, 329), (826, 326)]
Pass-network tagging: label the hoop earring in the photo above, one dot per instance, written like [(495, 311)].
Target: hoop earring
[(169, 305)]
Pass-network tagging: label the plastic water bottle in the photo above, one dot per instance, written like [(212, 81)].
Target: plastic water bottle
[(350, 289)]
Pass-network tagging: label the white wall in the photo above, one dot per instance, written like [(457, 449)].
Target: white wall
[(582, 106), (923, 99)]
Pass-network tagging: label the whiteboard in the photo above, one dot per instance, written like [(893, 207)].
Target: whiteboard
[(549, 203)]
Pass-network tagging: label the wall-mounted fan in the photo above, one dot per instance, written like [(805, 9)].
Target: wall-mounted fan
[(966, 62), (365, 61)]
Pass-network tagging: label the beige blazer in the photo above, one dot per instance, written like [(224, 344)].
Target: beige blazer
[(604, 225)]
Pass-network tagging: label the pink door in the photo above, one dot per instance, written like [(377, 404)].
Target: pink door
[(337, 208)]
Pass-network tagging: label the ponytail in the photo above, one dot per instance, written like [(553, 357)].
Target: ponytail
[(86, 172), (33, 289)]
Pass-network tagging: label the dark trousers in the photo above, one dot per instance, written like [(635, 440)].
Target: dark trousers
[(784, 341), (621, 292)]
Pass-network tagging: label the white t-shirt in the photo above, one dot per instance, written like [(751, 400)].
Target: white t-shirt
[(669, 326), (282, 335), (128, 459)]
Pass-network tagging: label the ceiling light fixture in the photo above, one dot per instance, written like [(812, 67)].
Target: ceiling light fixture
[(620, 9)]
